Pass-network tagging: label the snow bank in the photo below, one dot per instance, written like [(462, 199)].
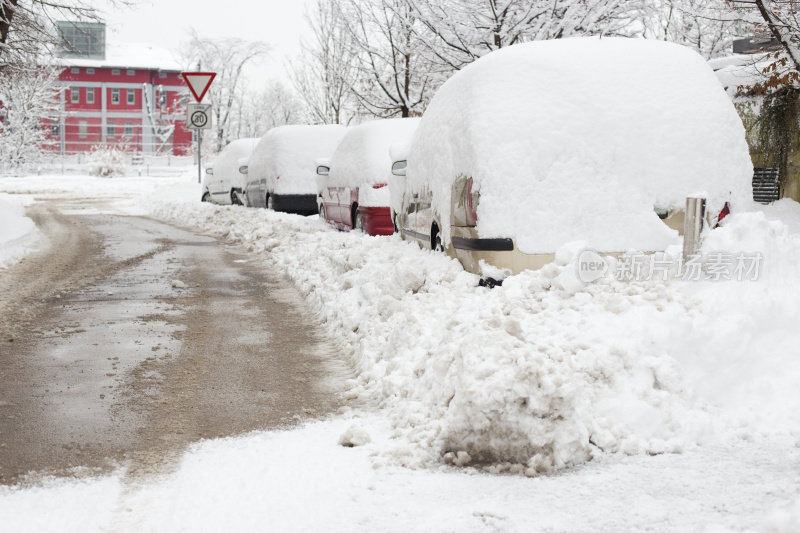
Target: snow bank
[(286, 157), (578, 139), (226, 165), (18, 233), (363, 155), (544, 372)]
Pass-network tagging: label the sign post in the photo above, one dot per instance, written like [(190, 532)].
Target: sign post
[(198, 116)]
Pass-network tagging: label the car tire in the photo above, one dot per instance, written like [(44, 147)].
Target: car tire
[(322, 212), (436, 240), (206, 197), (270, 202)]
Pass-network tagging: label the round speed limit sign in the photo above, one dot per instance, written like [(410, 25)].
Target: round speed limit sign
[(198, 116), (199, 119)]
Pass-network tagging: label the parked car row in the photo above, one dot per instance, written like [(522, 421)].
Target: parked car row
[(526, 150)]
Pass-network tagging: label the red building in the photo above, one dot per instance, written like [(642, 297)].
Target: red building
[(131, 96)]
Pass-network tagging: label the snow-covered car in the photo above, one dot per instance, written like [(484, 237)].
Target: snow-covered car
[(549, 143), (280, 173), (223, 183), (355, 191)]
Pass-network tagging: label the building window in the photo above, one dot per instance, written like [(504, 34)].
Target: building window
[(115, 72), (89, 71), (110, 130), (75, 70), (75, 95), (83, 129), (55, 129), (162, 74), (131, 73), (90, 95), (131, 96), (129, 129), (115, 96)]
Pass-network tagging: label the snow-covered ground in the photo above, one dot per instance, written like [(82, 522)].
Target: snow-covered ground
[(18, 233), (667, 406)]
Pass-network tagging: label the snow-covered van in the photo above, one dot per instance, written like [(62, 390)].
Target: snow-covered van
[(223, 183), (353, 190), (549, 143), (280, 173)]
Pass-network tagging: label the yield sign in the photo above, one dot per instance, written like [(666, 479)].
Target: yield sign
[(198, 83)]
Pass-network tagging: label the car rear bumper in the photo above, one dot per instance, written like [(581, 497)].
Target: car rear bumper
[(377, 220), (301, 204)]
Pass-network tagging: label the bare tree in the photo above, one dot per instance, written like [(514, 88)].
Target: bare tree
[(226, 57), (458, 32), (708, 26), (326, 69), (258, 112), (27, 26), (394, 73)]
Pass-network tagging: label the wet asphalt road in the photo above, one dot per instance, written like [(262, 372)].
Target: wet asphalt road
[(126, 339)]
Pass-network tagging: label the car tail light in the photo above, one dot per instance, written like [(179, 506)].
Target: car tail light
[(726, 210), (471, 200), (379, 186)]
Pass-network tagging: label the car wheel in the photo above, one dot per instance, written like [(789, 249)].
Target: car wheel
[(270, 202), (235, 198), (322, 212), (206, 197), (358, 222), (436, 241)]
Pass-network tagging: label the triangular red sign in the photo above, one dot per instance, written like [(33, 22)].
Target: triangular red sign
[(198, 83)]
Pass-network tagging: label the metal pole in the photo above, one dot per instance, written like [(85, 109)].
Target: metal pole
[(693, 225), (199, 158)]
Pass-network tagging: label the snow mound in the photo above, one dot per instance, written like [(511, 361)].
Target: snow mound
[(363, 155), (541, 373), (354, 436), (286, 157), (18, 233), (579, 139), (226, 165)]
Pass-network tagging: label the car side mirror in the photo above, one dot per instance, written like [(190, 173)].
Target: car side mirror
[(323, 170), (243, 169), (399, 168), (210, 171)]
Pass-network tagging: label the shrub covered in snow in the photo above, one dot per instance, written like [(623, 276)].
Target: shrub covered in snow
[(108, 160)]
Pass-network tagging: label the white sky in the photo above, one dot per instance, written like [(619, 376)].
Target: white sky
[(166, 23)]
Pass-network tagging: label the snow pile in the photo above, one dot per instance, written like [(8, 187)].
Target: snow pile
[(740, 70), (107, 161), (363, 157), (286, 157), (226, 165), (18, 233), (542, 373), (578, 139)]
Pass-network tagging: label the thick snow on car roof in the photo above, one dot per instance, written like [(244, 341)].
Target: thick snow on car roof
[(578, 139), (286, 156), (363, 155), (227, 163)]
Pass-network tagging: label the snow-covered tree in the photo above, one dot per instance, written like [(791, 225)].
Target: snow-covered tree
[(394, 75), (226, 57), (458, 32), (26, 26), (326, 70), (30, 100), (257, 113), (708, 26)]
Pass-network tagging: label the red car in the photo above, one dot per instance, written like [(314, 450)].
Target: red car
[(353, 187)]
